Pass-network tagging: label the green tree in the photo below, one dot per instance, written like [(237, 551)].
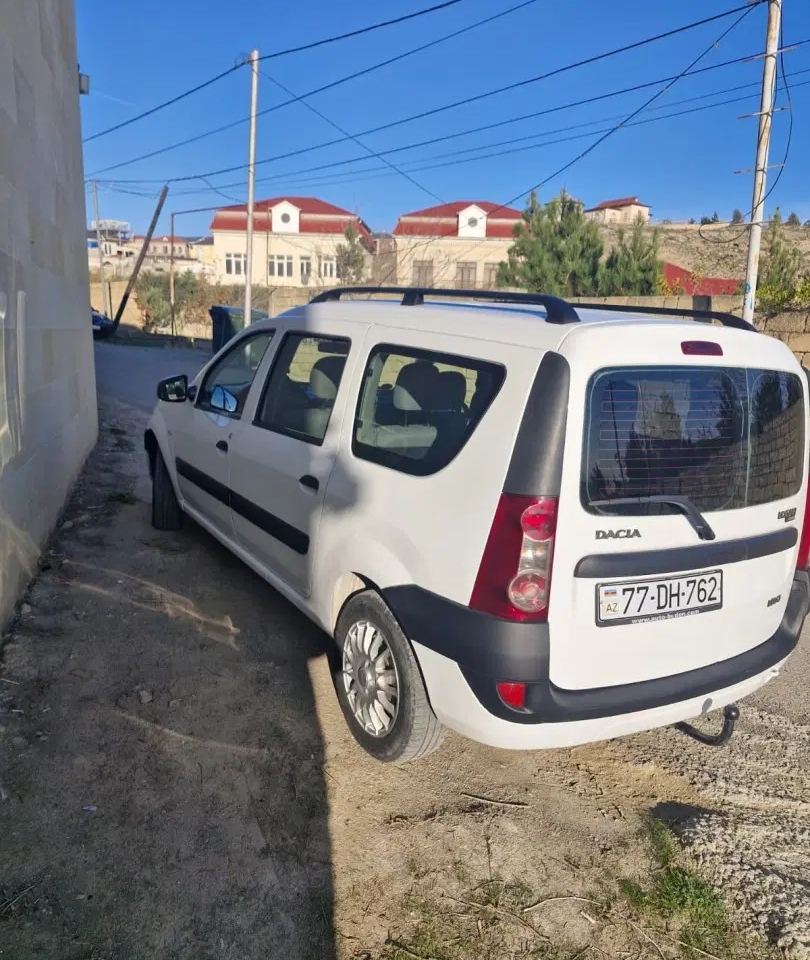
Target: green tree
[(632, 267), (351, 257), (152, 293), (737, 216), (705, 220), (781, 264), (793, 220), (556, 250), (715, 217)]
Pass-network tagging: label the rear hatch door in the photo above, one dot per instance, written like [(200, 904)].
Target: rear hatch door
[(682, 500)]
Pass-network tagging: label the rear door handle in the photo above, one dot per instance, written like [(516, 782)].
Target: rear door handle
[(222, 445), (310, 482)]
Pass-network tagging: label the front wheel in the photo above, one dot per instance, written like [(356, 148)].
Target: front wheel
[(167, 513), (379, 685)]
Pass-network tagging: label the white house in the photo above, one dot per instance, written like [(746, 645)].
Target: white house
[(458, 244), (295, 241)]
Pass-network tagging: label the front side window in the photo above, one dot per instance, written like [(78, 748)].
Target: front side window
[(280, 266), (418, 408), (227, 384), (725, 437), (302, 387)]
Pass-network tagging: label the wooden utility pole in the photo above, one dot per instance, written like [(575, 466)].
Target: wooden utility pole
[(761, 167), (104, 298), (251, 189), (138, 263)]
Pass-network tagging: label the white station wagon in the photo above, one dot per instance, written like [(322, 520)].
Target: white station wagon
[(537, 524)]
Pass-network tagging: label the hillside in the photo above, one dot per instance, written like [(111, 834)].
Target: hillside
[(713, 250)]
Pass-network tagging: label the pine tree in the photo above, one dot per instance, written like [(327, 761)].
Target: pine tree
[(793, 220), (350, 257), (632, 267), (737, 216), (556, 250)]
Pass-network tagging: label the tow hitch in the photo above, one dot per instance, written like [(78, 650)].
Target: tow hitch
[(731, 714)]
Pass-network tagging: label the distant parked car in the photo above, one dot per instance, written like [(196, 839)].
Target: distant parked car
[(102, 325)]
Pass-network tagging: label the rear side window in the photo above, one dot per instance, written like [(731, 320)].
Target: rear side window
[(724, 437), (418, 408)]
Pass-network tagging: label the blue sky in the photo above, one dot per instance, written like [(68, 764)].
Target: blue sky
[(138, 56)]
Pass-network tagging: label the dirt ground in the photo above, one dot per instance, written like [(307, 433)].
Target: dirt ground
[(177, 780)]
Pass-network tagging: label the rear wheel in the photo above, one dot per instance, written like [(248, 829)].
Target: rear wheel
[(379, 685), (166, 511)]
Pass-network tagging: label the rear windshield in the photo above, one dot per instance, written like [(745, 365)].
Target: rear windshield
[(723, 436)]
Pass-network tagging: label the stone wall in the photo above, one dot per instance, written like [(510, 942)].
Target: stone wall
[(793, 329), (47, 375)]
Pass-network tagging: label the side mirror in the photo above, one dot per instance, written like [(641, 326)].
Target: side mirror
[(222, 399), (173, 389)]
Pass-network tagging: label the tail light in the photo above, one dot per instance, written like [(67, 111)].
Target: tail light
[(803, 561), (514, 578)]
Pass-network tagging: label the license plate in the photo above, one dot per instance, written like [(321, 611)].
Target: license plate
[(646, 601)]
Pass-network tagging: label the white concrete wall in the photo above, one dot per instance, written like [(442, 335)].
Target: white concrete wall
[(446, 253), (47, 375)]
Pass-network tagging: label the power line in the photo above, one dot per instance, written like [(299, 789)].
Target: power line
[(647, 103), (166, 103), (347, 177), (454, 136), (272, 56), (359, 142), (311, 93), (482, 96)]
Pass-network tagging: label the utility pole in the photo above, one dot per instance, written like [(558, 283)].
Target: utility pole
[(253, 59), (761, 168), (139, 261), (104, 299), (171, 273)]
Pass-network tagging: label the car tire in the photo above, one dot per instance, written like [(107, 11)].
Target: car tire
[(166, 511), (379, 684)]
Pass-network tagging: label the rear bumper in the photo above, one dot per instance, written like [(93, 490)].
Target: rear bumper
[(487, 650)]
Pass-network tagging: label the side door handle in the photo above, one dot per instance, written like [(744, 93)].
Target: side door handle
[(310, 482), (222, 445)]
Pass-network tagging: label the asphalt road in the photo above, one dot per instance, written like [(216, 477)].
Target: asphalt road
[(131, 373)]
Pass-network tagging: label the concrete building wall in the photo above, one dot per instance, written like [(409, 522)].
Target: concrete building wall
[(47, 375), (443, 255)]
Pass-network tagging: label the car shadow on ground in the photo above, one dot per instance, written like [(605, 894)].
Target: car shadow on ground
[(164, 763)]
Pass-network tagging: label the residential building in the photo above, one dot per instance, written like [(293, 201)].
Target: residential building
[(48, 420), (116, 246), (459, 244), (625, 210), (202, 249), (160, 247), (295, 241)]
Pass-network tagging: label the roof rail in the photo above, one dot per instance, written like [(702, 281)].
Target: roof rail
[(557, 310), (704, 316)]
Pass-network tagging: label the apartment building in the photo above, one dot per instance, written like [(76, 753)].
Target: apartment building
[(458, 244), (295, 241)]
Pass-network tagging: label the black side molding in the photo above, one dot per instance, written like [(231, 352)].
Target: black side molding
[(653, 562), (277, 528)]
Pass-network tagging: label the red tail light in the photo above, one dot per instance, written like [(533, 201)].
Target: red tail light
[(803, 561), (701, 348), (514, 578), (513, 694)]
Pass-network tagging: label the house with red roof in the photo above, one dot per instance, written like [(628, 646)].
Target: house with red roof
[(295, 241), (624, 210), (457, 244)]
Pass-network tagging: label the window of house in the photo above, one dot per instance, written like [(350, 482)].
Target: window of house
[(302, 386), (491, 275), (423, 273), (465, 276), (328, 267), (233, 374), (235, 264), (280, 266), (418, 408), (306, 269)]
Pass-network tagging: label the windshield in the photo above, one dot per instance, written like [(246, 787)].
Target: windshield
[(724, 437)]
